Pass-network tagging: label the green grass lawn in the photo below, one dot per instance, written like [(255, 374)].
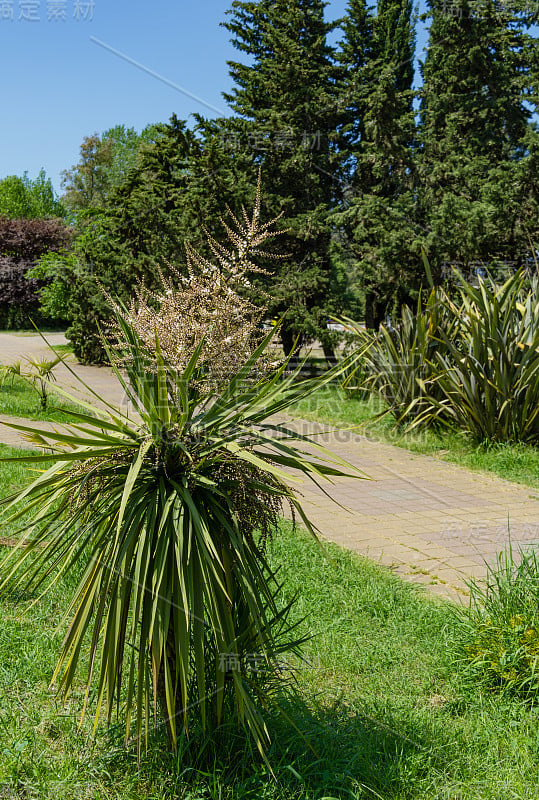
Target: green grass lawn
[(519, 463), (382, 710), (63, 349), (19, 399)]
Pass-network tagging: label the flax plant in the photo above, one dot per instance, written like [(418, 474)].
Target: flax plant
[(487, 367), (467, 360), (397, 363), (167, 512)]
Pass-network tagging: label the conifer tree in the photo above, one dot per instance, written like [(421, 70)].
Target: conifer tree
[(285, 91), (473, 159), (354, 56), (377, 53), (183, 181)]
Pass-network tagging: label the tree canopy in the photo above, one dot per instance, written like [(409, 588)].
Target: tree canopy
[(476, 142), (22, 197), (22, 243), (367, 172)]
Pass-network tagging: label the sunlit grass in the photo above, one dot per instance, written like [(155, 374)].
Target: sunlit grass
[(380, 710), (19, 399)]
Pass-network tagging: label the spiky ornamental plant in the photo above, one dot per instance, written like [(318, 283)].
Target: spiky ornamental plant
[(209, 305), (487, 381), (400, 362), (168, 513)]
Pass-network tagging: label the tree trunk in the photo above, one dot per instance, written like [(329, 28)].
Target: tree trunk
[(329, 353), (374, 311), (162, 696), (288, 340)]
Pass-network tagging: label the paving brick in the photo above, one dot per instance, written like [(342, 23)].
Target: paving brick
[(437, 523)]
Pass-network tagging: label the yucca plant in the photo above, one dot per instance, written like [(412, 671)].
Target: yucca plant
[(40, 376), (354, 375), (397, 362), (488, 368), (168, 512)]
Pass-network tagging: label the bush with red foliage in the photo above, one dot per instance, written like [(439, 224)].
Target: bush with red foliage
[(22, 242)]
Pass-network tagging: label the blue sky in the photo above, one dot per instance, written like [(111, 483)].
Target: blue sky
[(60, 84)]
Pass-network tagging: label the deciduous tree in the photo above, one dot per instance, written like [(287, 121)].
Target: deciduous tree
[(22, 242), (29, 199)]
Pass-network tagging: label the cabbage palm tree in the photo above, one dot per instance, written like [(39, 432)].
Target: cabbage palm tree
[(168, 512)]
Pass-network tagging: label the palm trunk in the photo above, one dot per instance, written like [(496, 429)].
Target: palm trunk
[(162, 695)]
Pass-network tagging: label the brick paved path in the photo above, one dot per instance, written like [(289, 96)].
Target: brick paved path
[(430, 521)]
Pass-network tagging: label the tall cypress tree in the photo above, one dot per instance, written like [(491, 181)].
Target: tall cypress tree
[(474, 123), (354, 56), (377, 53), (286, 93)]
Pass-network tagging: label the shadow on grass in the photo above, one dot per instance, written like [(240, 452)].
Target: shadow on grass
[(341, 752)]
